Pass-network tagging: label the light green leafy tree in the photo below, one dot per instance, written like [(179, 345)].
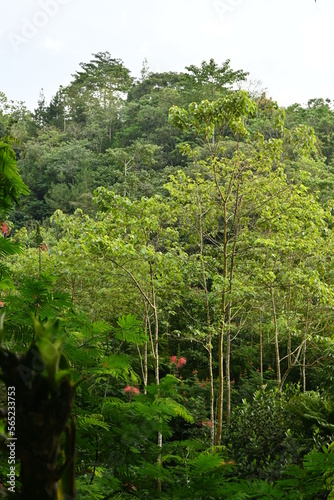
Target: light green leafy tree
[(246, 180)]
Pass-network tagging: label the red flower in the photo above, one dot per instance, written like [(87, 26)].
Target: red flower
[(173, 359), (181, 362), (44, 247), (4, 228), (2, 303), (208, 423), (129, 389), (131, 486), (230, 462)]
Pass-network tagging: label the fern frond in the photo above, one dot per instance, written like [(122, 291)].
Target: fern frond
[(112, 403), (130, 330), (90, 422), (258, 490), (9, 247), (170, 408), (206, 462), (114, 365)]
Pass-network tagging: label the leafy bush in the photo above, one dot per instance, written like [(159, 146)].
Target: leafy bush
[(259, 438)]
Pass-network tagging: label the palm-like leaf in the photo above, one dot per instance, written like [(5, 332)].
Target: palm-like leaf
[(11, 183), (8, 247)]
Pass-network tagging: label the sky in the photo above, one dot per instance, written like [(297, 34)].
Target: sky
[(287, 45)]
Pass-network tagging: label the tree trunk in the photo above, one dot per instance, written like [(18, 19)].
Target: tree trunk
[(212, 396), (228, 371), (278, 359), (221, 386), (261, 346), (145, 368), (42, 412), (221, 337), (304, 366), (208, 322)]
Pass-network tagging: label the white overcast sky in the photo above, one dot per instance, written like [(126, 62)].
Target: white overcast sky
[(287, 44)]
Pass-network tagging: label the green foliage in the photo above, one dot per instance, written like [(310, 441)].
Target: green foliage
[(226, 112), (260, 436), (203, 234), (315, 413), (319, 115), (210, 80), (11, 184), (130, 330)]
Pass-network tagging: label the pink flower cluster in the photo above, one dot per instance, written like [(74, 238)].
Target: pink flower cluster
[(129, 389), (181, 362), (4, 228), (130, 486), (207, 423)]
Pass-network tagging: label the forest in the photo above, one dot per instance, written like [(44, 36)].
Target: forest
[(166, 289)]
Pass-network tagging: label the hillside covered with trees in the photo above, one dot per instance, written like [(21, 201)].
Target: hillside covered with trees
[(167, 289)]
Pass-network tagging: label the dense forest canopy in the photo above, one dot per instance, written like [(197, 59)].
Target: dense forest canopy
[(166, 249)]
